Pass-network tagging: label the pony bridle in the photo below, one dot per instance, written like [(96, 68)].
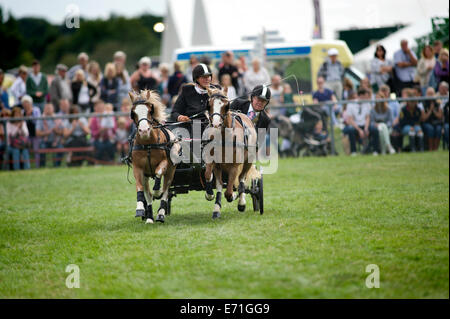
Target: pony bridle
[(211, 116), (144, 102)]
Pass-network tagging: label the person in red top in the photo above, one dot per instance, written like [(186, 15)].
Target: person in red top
[(102, 133)]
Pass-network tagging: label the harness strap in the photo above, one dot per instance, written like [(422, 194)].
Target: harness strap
[(244, 127), (166, 146)]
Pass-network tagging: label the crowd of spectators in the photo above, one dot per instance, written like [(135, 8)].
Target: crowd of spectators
[(85, 89), (82, 89), (381, 127)]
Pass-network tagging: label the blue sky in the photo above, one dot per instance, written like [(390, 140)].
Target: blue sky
[(55, 10)]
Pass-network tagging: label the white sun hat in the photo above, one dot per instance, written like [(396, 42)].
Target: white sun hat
[(145, 60), (333, 51)]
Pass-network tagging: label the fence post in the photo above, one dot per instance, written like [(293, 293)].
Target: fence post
[(330, 109), (5, 164)]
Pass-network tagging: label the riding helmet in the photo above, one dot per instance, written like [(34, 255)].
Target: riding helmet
[(201, 70), (261, 91)]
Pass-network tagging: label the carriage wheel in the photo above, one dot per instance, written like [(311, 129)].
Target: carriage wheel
[(253, 192), (261, 196), (169, 204)]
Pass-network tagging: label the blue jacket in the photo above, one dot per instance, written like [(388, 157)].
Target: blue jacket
[(5, 99)]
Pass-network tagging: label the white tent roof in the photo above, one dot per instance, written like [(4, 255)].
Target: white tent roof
[(392, 43), (218, 22), (178, 22)]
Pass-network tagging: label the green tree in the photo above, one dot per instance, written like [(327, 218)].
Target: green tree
[(14, 51)]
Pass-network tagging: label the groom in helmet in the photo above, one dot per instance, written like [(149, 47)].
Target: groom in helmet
[(255, 108)]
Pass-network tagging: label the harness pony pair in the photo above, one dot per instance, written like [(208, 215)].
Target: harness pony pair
[(166, 146)]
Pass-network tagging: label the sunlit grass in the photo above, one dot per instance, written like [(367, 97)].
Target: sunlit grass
[(325, 220)]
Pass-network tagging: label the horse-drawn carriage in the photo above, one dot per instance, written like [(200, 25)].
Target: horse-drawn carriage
[(156, 145), (191, 177)]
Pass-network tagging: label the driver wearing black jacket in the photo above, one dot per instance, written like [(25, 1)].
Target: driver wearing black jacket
[(193, 98), (255, 108)]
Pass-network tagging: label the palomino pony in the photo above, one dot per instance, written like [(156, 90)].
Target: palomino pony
[(152, 149), (240, 167)]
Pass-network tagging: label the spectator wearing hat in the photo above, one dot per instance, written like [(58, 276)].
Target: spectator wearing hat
[(83, 60), (143, 78), (333, 72), (4, 97), (60, 87), (18, 139), (19, 87), (405, 62), (37, 85), (120, 59), (31, 110)]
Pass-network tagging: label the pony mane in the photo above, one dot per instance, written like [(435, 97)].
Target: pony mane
[(159, 109), (214, 90)]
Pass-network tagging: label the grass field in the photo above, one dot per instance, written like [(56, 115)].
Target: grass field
[(325, 220)]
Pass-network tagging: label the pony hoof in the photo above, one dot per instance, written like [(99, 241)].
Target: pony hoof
[(149, 221), (160, 218), (157, 195), (216, 215), (241, 208), (209, 197), (140, 213)]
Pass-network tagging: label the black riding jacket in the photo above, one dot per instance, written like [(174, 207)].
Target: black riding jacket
[(243, 105), (189, 102)]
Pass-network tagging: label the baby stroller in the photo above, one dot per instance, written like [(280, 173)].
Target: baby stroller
[(311, 126)]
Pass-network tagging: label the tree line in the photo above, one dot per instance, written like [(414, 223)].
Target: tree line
[(25, 39)]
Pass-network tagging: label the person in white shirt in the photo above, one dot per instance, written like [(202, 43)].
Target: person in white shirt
[(277, 96), (359, 127), (227, 85), (19, 87), (256, 75)]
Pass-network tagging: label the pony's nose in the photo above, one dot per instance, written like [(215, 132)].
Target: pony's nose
[(144, 131)]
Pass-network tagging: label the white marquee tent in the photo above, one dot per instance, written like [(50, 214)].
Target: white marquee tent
[(219, 22)]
